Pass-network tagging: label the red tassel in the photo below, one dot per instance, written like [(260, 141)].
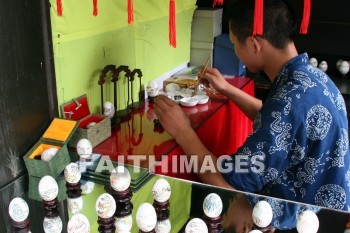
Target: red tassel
[(172, 23), (258, 27), (59, 7), (218, 2), (306, 17), (130, 12), (95, 13)]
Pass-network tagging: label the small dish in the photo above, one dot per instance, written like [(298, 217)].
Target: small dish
[(188, 101), (175, 96), (202, 99)]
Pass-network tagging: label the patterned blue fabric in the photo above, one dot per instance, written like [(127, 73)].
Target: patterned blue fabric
[(299, 149)]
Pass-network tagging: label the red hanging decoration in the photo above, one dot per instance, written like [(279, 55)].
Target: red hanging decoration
[(130, 12), (258, 27), (172, 24), (218, 2), (59, 7), (306, 17), (95, 12)]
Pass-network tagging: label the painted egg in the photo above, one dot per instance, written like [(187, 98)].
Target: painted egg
[(152, 89), (105, 205), (18, 209), (161, 190), (84, 148), (262, 214), (48, 188), (323, 66), (212, 205), (344, 68), (307, 222), (196, 225), (108, 109), (52, 225), (90, 125), (313, 61), (72, 173), (48, 154), (163, 226), (338, 63), (120, 178), (123, 224), (146, 217), (87, 187), (78, 224), (75, 205)]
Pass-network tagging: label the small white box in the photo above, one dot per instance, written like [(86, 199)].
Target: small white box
[(206, 24), (200, 51)]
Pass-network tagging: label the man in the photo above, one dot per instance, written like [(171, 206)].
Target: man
[(300, 132)]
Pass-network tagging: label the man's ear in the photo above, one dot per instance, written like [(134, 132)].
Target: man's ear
[(256, 43)]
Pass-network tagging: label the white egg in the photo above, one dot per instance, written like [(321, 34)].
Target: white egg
[(18, 209), (48, 154), (163, 226), (172, 87), (105, 205), (48, 188), (255, 231), (84, 148), (152, 89), (323, 66), (78, 224), (75, 205), (313, 61), (90, 125), (108, 109), (72, 173), (161, 190), (146, 217), (262, 214), (120, 178), (344, 68), (338, 63), (123, 224), (87, 187), (307, 222), (212, 205), (196, 225), (52, 225)]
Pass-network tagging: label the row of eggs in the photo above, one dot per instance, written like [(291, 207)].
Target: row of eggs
[(342, 66)]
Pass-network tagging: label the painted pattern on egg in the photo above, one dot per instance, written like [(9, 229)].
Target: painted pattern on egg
[(212, 205), (18, 209), (72, 173), (48, 188), (78, 224), (161, 190), (105, 205)]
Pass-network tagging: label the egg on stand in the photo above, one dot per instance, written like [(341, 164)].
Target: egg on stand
[(161, 192), (196, 225), (262, 215), (72, 175), (307, 222), (152, 90), (19, 211), (78, 224), (84, 150), (212, 208), (146, 218), (105, 209)]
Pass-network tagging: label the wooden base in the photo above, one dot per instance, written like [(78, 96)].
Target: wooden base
[(214, 224), (123, 201), (73, 190), (21, 227), (162, 209), (106, 225), (51, 208)]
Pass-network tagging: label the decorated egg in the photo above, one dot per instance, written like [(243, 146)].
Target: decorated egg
[(48, 154), (120, 178), (163, 226), (48, 188), (72, 173), (338, 63), (87, 187), (108, 109), (78, 224), (146, 217), (307, 222), (152, 89), (323, 66), (84, 148), (344, 68), (105, 205), (262, 214), (313, 61), (196, 225), (75, 205), (212, 205), (90, 125), (18, 209), (161, 190), (52, 225), (123, 224)]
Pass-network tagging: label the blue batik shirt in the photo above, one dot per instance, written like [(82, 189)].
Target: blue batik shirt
[(299, 149)]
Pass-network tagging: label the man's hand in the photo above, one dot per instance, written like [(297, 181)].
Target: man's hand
[(215, 78)]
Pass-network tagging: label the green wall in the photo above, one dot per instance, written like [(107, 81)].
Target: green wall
[(83, 44)]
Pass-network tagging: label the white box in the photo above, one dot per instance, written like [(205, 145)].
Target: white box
[(200, 51), (206, 24)]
